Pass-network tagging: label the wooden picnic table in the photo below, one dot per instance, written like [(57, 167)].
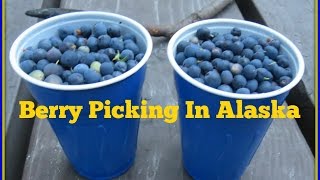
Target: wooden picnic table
[(282, 155)]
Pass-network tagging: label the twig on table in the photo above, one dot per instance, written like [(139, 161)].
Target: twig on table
[(155, 30)]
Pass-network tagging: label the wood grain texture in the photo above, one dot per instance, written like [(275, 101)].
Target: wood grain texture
[(294, 19), (159, 154)]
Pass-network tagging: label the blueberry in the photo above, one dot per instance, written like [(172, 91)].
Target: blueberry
[(284, 80), (236, 69), (114, 30), (111, 53), (85, 30), (75, 79), (248, 53), (88, 58), (279, 71), (66, 46), (95, 65), (203, 54), (212, 79), (258, 48), (264, 87), (139, 57), (189, 62), (191, 50), (65, 31), (275, 88), (39, 54), (130, 36), (283, 61), (66, 74), (37, 74), (243, 91), (243, 61), (227, 55), (117, 44), (106, 68), (92, 43), (55, 41), (236, 31), (264, 75), (106, 77), (69, 59), (81, 42), (237, 47), (70, 39), (133, 47), (194, 40), (209, 45), (224, 45), (249, 42), (226, 77), (179, 58), (120, 66), (256, 63), (131, 63), (127, 54), (235, 59), (258, 55), (220, 64), (203, 33), (28, 66), (228, 36), (199, 80), (252, 85), (99, 29), (84, 49), (216, 52), (41, 64), (80, 68), (249, 72), (194, 71), (54, 79), (225, 87), (271, 52), (45, 44), (262, 42), (182, 45), (205, 66), (104, 41), (275, 43), (217, 38), (116, 73), (235, 38), (239, 81), (102, 58), (91, 76), (185, 69), (53, 68), (269, 64), (26, 55), (53, 55)]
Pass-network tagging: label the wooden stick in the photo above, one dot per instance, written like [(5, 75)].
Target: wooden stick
[(207, 12)]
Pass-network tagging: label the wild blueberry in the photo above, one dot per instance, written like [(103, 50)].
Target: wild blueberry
[(75, 79), (88, 58), (279, 71), (102, 58), (194, 71), (99, 29), (203, 33), (216, 52), (235, 59), (275, 43), (95, 65), (271, 52), (258, 55), (106, 68), (235, 38), (131, 63), (236, 31), (243, 91), (111, 53), (264, 87), (194, 40), (129, 36), (66, 74), (212, 79), (127, 54), (226, 77), (53, 55), (133, 47), (252, 85), (106, 77), (84, 49), (37, 74), (92, 43), (191, 50), (117, 44), (120, 66), (283, 61), (239, 81), (85, 30), (41, 64), (179, 58), (220, 64), (39, 54), (236, 69), (227, 55), (54, 79), (66, 46), (228, 36), (249, 42), (203, 54), (114, 30), (45, 44), (55, 41), (53, 68), (65, 31), (264, 75), (104, 41), (256, 63), (209, 45), (81, 42), (248, 53), (243, 61), (218, 37), (269, 64), (80, 68), (182, 45), (116, 73), (262, 42), (91, 76), (225, 87), (249, 72), (69, 59), (237, 47), (26, 55), (205, 66), (28, 66), (139, 57), (258, 48), (284, 80)]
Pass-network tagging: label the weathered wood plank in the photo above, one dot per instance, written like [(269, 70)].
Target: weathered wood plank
[(294, 19), (158, 153)]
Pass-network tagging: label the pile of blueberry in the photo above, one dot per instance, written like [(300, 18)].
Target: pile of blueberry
[(90, 54), (234, 62)]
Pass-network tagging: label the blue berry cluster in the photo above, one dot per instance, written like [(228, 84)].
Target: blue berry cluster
[(234, 62), (89, 54)]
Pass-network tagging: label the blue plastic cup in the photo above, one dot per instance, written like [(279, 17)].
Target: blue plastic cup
[(221, 149), (97, 148)]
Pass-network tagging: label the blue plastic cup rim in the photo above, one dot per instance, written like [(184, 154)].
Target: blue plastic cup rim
[(14, 59), (191, 28)]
